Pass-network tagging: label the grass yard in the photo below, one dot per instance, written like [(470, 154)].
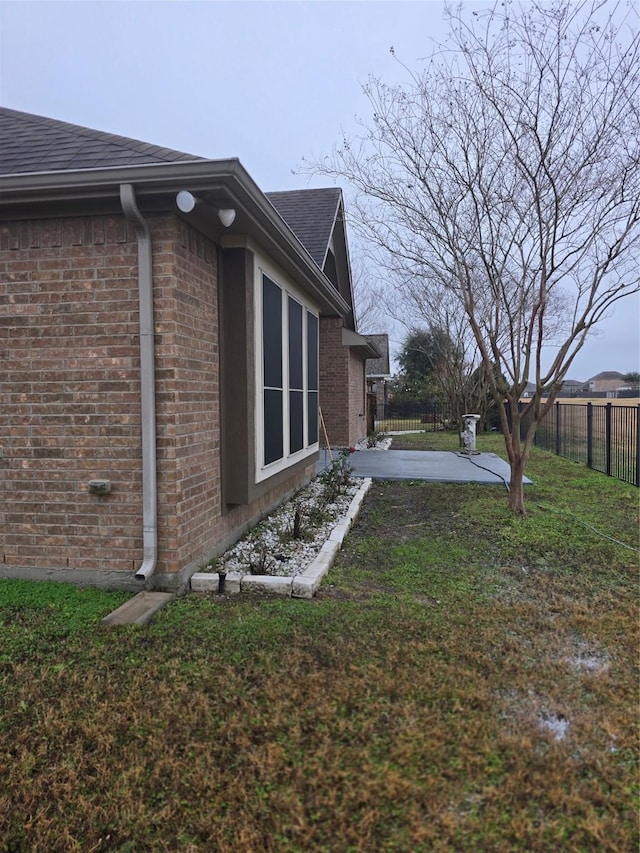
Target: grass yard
[(465, 680)]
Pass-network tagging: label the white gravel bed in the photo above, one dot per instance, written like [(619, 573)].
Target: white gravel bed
[(270, 549), (293, 547)]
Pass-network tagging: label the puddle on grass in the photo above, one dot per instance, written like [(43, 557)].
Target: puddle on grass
[(573, 651), (584, 657), (521, 711), (590, 663), (557, 724)]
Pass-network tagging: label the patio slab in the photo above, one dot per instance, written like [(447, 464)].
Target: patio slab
[(437, 466)]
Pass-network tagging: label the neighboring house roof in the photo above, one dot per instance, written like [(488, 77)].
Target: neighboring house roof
[(32, 143), (311, 215), (606, 374), (573, 383), (358, 342), (378, 366)]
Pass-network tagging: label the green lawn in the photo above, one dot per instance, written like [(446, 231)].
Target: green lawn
[(466, 680)]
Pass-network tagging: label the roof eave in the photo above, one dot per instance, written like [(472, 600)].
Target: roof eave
[(228, 176), (357, 342)]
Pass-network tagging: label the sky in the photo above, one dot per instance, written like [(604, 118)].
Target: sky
[(268, 82)]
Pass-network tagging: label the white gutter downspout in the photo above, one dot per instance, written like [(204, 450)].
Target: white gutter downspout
[(147, 383)]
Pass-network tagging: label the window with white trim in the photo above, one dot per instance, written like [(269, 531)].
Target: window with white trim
[(287, 416)]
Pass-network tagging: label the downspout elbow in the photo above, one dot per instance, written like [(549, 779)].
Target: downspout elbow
[(147, 382)]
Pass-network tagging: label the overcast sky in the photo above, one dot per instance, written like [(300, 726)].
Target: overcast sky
[(268, 82)]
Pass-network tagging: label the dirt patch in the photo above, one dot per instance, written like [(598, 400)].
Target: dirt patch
[(398, 513)]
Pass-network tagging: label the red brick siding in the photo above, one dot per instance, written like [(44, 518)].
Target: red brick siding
[(191, 523), (187, 391), (334, 382), (70, 391), (357, 392), (342, 387)]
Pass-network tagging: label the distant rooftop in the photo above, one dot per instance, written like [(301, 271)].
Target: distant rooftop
[(378, 366), (606, 374)]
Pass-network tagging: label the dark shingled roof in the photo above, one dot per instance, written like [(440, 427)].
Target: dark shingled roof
[(311, 215), (32, 143), (378, 366)]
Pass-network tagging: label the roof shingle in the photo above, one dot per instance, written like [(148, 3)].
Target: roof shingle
[(31, 143), (311, 215), (378, 366)]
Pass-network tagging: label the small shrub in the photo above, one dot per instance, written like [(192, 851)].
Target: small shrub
[(336, 477), (374, 439)]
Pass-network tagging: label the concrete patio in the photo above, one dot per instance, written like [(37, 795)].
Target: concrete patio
[(432, 465)]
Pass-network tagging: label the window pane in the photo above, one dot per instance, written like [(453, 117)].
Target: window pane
[(312, 352), (296, 421), (272, 333), (312, 417), (272, 426), (295, 344)]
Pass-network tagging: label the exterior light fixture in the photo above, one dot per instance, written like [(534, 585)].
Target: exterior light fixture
[(185, 201), (227, 216)]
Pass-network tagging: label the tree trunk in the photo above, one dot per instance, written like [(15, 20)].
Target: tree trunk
[(516, 489)]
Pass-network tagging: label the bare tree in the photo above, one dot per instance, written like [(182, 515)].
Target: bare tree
[(503, 179), (368, 299)]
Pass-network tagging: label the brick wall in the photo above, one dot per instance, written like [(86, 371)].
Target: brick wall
[(192, 526), (70, 394), (357, 398), (334, 382), (187, 391), (70, 391), (342, 387)]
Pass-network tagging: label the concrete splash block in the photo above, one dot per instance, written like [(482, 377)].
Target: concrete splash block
[(139, 609)]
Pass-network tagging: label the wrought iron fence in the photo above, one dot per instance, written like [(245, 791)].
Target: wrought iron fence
[(602, 436), (409, 416)]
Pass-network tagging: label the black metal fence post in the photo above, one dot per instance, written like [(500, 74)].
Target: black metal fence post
[(589, 435), (557, 429), (608, 438), (638, 445)]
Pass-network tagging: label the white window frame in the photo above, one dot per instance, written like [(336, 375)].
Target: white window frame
[(264, 268)]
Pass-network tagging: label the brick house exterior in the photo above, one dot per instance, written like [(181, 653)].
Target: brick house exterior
[(108, 477), (608, 380), (343, 391), (378, 370)]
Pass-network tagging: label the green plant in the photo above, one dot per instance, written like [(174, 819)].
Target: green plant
[(336, 477), (374, 439)]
